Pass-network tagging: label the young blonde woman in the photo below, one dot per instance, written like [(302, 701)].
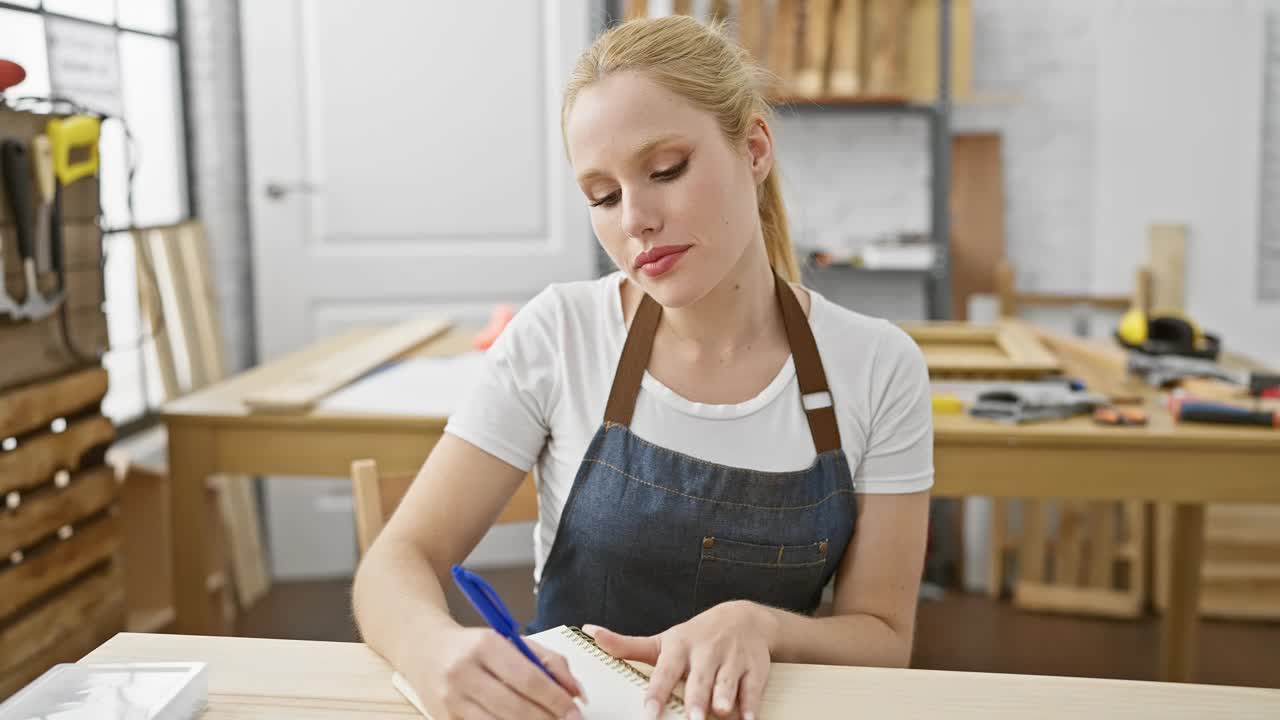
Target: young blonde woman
[(713, 443)]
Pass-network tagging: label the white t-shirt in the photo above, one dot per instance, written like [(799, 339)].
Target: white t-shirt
[(547, 378)]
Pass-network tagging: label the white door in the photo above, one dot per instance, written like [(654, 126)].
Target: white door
[(404, 157)]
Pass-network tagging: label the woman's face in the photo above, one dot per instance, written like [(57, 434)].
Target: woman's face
[(671, 201)]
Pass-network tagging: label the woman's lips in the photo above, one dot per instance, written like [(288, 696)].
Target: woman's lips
[(658, 260)]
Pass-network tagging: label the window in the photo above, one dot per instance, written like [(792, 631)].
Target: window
[(148, 46)]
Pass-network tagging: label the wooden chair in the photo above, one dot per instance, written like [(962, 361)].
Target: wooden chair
[(1074, 569), (377, 496)]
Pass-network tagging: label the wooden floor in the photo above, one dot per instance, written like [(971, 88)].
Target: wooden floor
[(959, 632)]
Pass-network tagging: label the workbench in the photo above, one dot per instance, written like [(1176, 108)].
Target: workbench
[(253, 677), (211, 431)]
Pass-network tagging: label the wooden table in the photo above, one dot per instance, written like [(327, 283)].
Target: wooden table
[(211, 431), (296, 680)]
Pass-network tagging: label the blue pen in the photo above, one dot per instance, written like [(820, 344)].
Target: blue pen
[(489, 605)]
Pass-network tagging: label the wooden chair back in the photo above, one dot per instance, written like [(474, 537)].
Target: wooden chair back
[(377, 495)]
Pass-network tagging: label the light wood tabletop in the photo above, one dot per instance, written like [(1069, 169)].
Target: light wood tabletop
[(303, 680), (1189, 465)]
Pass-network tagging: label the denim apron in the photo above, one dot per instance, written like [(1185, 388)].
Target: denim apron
[(650, 537)]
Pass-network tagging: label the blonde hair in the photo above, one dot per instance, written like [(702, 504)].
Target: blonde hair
[(699, 63)]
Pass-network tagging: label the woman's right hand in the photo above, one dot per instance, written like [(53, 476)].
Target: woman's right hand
[(477, 673)]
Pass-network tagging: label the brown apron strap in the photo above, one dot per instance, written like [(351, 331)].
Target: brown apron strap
[(632, 364), (812, 379), (809, 372)]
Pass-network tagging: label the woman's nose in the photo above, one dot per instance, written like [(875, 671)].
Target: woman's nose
[(640, 215)]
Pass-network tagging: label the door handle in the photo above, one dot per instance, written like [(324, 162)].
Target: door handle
[(276, 191)]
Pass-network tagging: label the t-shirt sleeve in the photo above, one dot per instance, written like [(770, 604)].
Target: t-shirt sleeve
[(899, 452), (506, 410)]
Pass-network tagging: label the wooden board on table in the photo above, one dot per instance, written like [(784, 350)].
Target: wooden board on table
[(35, 460), (977, 216), (922, 56), (1099, 365), (1006, 350), (324, 377), (887, 24), (846, 48), (34, 406), (42, 573), (815, 44), (41, 514)]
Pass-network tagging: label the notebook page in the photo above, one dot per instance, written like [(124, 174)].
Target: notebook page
[(612, 691), (614, 694)]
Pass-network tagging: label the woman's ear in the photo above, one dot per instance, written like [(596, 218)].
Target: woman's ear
[(760, 149)]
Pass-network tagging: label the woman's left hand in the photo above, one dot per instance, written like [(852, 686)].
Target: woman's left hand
[(725, 653)]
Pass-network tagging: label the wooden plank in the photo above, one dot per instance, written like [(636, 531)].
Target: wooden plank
[(1100, 366), (1031, 547), (922, 54), (35, 461), (1167, 248), (783, 44), (238, 506), (151, 310), (40, 515), (1068, 546), (193, 247), (36, 405), (752, 31), (22, 583), (887, 27), (1023, 348), (172, 267), (815, 46), (101, 624), (44, 625), (1046, 597), (846, 48), (331, 373), (681, 7), (635, 9), (977, 216), (996, 549), (1102, 544)]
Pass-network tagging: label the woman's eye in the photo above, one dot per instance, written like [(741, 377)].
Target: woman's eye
[(608, 200), (671, 173)]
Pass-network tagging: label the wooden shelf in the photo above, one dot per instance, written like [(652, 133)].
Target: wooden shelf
[(846, 100)]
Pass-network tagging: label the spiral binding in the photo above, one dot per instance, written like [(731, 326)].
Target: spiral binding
[(637, 678)]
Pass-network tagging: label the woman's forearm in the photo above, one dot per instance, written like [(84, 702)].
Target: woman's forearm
[(853, 639), (398, 602)]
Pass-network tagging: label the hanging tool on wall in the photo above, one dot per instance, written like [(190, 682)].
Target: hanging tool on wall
[(16, 161)]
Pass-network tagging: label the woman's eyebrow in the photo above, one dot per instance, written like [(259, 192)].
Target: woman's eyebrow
[(641, 149)]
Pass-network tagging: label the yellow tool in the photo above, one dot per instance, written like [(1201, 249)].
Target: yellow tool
[(74, 142), (946, 404)]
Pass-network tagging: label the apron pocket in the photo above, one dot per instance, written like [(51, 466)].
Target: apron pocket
[(783, 576)]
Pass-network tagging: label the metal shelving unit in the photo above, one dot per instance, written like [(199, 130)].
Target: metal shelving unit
[(937, 115)]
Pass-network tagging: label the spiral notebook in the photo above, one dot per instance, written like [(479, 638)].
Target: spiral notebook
[(614, 687)]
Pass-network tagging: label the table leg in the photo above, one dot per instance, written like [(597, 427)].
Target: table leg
[(1182, 616), (191, 462)]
